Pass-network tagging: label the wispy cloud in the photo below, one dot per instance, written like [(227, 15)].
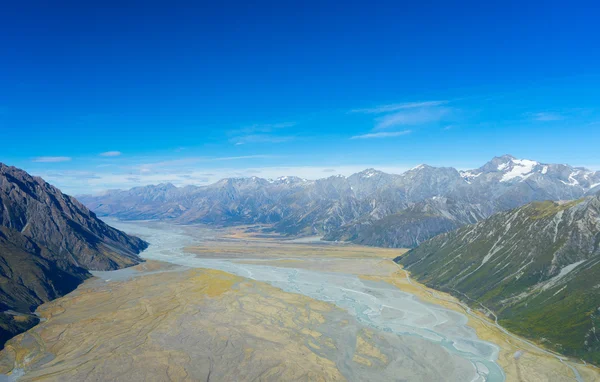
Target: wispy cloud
[(264, 127), (399, 106), (412, 117), (111, 154), (546, 116), (189, 163), (396, 118), (77, 183), (260, 138), (385, 134), (51, 159), (259, 156), (261, 133), (76, 174)]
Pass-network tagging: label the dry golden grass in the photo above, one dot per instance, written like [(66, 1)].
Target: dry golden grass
[(283, 249), (175, 326), (181, 325)]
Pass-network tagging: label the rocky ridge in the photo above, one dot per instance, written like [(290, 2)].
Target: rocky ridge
[(48, 242), (434, 199)]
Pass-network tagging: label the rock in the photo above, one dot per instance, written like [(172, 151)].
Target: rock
[(48, 242)]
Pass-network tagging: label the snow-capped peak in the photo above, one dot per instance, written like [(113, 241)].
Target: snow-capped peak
[(287, 180), (368, 173), (513, 169), (517, 168)]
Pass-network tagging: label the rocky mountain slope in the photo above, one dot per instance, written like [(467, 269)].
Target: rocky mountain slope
[(48, 242), (537, 267), (413, 225), (349, 208)]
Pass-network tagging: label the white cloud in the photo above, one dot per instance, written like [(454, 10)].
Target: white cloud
[(51, 159), (111, 154), (264, 127), (78, 183), (546, 116), (412, 117), (187, 164), (218, 159), (260, 138), (386, 134), (399, 106), (411, 114), (260, 133)]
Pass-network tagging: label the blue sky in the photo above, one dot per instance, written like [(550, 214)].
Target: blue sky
[(97, 95)]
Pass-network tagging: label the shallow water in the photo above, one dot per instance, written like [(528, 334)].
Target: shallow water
[(374, 304)]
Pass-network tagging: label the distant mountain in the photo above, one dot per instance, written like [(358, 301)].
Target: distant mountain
[(537, 267), (48, 242), (348, 208), (413, 225), (513, 182)]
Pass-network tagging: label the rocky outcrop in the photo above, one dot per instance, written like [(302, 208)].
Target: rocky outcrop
[(412, 226)]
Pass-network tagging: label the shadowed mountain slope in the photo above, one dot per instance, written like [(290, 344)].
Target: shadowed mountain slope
[(48, 242)]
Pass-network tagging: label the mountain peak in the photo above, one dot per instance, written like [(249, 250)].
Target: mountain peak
[(369, 172), (509, 165), (287, 180), (505, 157), (166, 186), (421, 166)]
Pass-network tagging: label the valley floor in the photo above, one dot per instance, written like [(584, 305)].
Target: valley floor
[(221, 305)]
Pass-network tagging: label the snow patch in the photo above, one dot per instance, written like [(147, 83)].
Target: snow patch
[(521, 169), (468, 176), (572, 180), (594, 185), (369, 173), (502, 166)]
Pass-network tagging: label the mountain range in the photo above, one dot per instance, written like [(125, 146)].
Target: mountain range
[(48, 242), (370, 207), (515, 238), (537, 267)]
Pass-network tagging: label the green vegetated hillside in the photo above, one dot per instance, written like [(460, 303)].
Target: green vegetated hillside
[(537, 267)]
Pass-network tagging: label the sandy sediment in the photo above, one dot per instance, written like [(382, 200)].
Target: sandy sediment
[(519, 360), (162, 321), (210, 325)]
